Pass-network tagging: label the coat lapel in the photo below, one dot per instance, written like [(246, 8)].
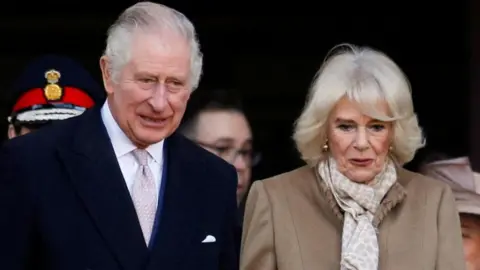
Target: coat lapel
[(182, 195), (96, 175)]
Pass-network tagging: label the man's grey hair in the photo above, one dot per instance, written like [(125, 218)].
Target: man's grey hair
[(148, 16)]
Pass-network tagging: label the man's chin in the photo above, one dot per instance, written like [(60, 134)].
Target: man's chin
[(147, 137)]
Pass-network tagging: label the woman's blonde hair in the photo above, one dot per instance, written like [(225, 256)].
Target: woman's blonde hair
[(365, 76)]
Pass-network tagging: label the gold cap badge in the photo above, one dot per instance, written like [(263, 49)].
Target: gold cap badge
[(52, 91)]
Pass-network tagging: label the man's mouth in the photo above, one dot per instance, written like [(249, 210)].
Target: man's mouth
[(153, 122)]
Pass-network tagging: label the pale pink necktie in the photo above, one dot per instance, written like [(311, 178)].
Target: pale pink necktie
[(144, 194)]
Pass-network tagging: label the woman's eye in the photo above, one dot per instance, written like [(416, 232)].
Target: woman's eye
[(345, 127), (378, 127)]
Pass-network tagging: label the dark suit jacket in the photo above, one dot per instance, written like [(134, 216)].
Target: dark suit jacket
[(64, 205)]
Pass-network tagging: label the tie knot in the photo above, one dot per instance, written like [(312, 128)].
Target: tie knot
[(142, 156)]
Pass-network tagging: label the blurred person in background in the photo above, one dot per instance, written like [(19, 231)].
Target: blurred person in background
[(465, 184), (353, 206), (215, 119), (51, 88)]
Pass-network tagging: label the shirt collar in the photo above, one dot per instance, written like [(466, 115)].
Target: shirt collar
[(121, 143)]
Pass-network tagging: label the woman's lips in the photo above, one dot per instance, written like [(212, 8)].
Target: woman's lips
[(362, 162)]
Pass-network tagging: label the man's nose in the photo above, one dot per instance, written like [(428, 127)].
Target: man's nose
[(239, 163), (159, 98)]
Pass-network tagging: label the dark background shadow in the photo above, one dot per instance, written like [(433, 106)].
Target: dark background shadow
[(270, 53)]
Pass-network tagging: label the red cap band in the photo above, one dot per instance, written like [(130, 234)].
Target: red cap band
[(71, 95)]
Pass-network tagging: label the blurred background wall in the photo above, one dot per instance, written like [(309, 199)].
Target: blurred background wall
[(270, 51)]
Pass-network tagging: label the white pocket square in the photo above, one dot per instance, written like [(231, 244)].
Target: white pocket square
[(209, 239)]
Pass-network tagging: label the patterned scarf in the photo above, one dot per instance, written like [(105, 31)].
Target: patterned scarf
[(360, 202)]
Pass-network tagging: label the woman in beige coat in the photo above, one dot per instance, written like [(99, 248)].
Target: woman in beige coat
[(354, 207)]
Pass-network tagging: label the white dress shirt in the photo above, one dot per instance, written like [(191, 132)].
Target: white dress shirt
[(123, 148)]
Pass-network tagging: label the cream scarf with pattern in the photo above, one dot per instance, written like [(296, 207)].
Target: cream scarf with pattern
[(360, 202)]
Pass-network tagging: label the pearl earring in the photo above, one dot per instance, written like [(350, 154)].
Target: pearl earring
[(325, 146)]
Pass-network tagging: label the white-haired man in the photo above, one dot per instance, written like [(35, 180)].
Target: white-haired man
[(117, 188)]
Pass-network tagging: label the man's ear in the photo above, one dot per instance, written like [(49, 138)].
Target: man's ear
[(106, 74), (11, 132)]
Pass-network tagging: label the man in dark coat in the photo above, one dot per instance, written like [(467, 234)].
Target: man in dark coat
[(117, 188)]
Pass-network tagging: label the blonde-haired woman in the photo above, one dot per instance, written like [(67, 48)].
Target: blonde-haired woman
[(353, 206)]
